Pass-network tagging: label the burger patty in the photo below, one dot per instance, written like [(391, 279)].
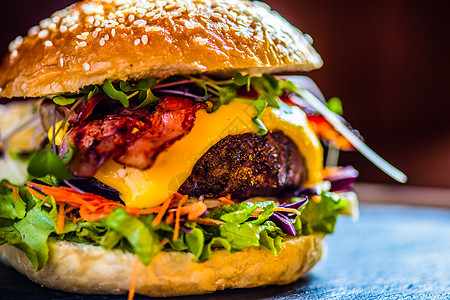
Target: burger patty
[(247, 165)]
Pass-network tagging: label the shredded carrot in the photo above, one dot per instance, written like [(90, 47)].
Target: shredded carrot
[(14, 189), (176, 228), (92, 207), (170, 218), (164, 241), (257, 212), (162, 212), (133, 280), (16, 193), (35, 193), (193, 210), (208, 221), (291, 210), (226, 200), (138, 211), (9, 186), (61, 215)]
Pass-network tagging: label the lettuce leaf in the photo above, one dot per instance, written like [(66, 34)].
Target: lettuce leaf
[(34, 230), (29, 222), (216, 242), (321, 216), (240, 236), (239, 213), (145, 242), (10, 208), (195, 242)]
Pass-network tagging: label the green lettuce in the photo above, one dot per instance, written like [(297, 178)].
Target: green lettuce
[(321, 216), (29, 223)]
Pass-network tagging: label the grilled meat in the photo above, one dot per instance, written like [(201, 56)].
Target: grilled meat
[(247, 165)]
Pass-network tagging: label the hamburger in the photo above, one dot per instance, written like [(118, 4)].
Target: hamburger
[(149, 147)]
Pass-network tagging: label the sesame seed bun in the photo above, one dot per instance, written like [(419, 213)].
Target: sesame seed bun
[(90, 269), (91, 41)]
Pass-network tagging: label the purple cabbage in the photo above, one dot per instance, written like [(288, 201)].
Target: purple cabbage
[(284, 219), (185, 229), (305, 192), (343, 180), (283, 222)]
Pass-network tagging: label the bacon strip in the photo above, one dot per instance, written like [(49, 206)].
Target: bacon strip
[(131, 137)]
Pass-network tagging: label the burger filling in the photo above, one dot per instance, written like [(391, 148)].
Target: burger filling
[(189, 164)]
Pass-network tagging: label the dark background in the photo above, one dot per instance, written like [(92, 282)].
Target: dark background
[(387, 60)]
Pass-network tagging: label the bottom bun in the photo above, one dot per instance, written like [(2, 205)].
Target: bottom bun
[(87, 269)]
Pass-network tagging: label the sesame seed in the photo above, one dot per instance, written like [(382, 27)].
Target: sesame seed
[(14, 53), (80, 37), (52, 26), (95, 34), (61, 62), (15, 43), (216, 16), (119, 13), (113, 32), (111, 16), (140, 23), (62, 29), (106, 37), (153, 28), (82, 44), (150, 14), (85, 34), (157, 16), (24, 87), (137, 42), (97, 23), (86, 66), (141, 10), (43, 34), (44, 23), (189, 25), (170, 6), (121, 20), (48, 44), (144, 39), (201, 41), (72, 28), (131, 18), (102, 42), (33, 30)]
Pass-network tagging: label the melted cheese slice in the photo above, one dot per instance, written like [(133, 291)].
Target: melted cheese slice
[(173, 166)]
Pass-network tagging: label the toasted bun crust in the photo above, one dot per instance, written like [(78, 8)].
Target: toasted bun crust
[(91, 41), (89, 269)]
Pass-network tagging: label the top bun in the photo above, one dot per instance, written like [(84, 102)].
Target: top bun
[(91, 41)]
